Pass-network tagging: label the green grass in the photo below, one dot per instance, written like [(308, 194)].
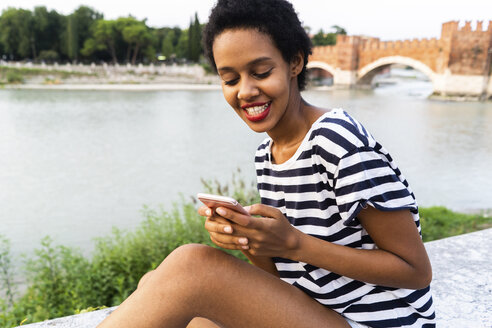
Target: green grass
[(19, 74), (440, 222), (60, 281)]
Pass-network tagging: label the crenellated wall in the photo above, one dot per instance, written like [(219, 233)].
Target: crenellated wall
[(462, 55)]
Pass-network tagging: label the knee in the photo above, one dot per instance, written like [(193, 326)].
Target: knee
[(194, 255), (144, 278), (192, 260)]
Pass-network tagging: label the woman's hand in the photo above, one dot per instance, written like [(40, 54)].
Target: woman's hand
[(269, 235), (232, 234), (222, 232)]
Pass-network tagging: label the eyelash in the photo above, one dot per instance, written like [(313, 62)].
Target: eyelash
[(263, 75), (256, 75)]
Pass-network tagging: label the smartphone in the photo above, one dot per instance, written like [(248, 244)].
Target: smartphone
[(214, 201)]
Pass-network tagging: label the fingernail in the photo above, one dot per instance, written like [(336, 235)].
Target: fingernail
[(208, 212), (228, 229), (243, 241), (220, 211), (245, 247)]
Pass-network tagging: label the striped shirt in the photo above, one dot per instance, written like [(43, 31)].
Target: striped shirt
[(338, 169)]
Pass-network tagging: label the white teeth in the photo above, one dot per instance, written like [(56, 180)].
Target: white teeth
[(256, 109)]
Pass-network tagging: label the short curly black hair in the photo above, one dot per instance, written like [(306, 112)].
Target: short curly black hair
[(276, 18)]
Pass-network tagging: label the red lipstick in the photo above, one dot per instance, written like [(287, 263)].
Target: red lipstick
[(256, 117)]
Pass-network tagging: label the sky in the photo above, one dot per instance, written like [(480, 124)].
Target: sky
[(385, 19)]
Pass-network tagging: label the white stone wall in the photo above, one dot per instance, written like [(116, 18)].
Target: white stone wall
[(347, 78), (467, 85)]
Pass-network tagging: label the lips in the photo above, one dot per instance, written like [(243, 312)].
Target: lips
[(256, 111)]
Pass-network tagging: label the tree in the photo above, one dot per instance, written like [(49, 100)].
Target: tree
[(16, 33), (194, 40), (47, 30), (72, 38), (103, 38), (135, 35), (324, 39), (78, 30), (121, 24), (182, 45), (339, 30), (167, 48), (138, 36)]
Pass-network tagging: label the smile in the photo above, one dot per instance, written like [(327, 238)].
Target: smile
[(257, 111)]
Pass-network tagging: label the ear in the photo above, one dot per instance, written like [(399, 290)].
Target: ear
[(297, 64)]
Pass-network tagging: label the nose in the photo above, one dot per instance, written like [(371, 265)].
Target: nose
[(247, 89)]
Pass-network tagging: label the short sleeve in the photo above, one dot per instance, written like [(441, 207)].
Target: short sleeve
[(364, 177)]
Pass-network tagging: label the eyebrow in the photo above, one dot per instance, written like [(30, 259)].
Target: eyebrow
[(251, 63)]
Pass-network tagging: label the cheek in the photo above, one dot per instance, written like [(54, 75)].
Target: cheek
[(229, 96)]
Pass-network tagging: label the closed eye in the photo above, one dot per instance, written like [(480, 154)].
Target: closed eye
[(263, 75), (231, 82)]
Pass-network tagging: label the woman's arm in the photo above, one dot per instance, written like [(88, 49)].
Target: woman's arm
[(400, 260), (262, 262)]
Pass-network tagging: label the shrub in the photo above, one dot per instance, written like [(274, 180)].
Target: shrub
[(49, 56), (14, 77), (62, 282)]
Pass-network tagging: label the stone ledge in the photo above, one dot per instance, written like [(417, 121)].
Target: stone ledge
[(462, 285)]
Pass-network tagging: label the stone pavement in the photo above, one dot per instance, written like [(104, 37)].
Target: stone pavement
[(461, 285)]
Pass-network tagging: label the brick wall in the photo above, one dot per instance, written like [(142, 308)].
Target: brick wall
[(462, 50), (469, 49)]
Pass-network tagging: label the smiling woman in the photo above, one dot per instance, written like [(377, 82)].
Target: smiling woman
[(336, 239), (254, 65)]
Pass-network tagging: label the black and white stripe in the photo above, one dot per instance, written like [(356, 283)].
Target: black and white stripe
[(338, 169)]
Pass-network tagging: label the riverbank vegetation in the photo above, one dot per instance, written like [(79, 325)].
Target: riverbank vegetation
[(15, 75), (43, 35), (61, 281)]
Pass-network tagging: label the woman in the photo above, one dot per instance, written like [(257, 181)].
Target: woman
[(338, 223)]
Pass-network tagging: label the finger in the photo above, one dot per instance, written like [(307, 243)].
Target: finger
[(228, 239), (220, 225), (241, 219), (205, 211), (225, 244), (265, 210)]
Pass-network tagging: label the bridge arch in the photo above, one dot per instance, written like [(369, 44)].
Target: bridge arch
[(324, 66), (366, 73)]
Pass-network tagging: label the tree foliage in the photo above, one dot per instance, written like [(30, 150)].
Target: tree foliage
[(326, 39), (16, 33), (103, 38), (84, 35)]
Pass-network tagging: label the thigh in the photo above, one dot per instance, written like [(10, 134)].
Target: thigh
[(201, 281), (236, 294)]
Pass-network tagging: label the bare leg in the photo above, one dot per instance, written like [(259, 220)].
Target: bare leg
[(196, 322), (201, 281)]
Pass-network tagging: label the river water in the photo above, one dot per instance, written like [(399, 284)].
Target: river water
[(73, 164)]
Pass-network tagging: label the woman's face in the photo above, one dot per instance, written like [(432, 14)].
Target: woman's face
[(256, 80)]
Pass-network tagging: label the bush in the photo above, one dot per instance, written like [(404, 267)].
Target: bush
[(49, 56), (62, 282), (14, 77)]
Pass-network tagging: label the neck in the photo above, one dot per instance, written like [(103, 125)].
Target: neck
[(295, 123)]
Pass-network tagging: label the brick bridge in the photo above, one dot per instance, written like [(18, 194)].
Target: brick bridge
[(457, 64)]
